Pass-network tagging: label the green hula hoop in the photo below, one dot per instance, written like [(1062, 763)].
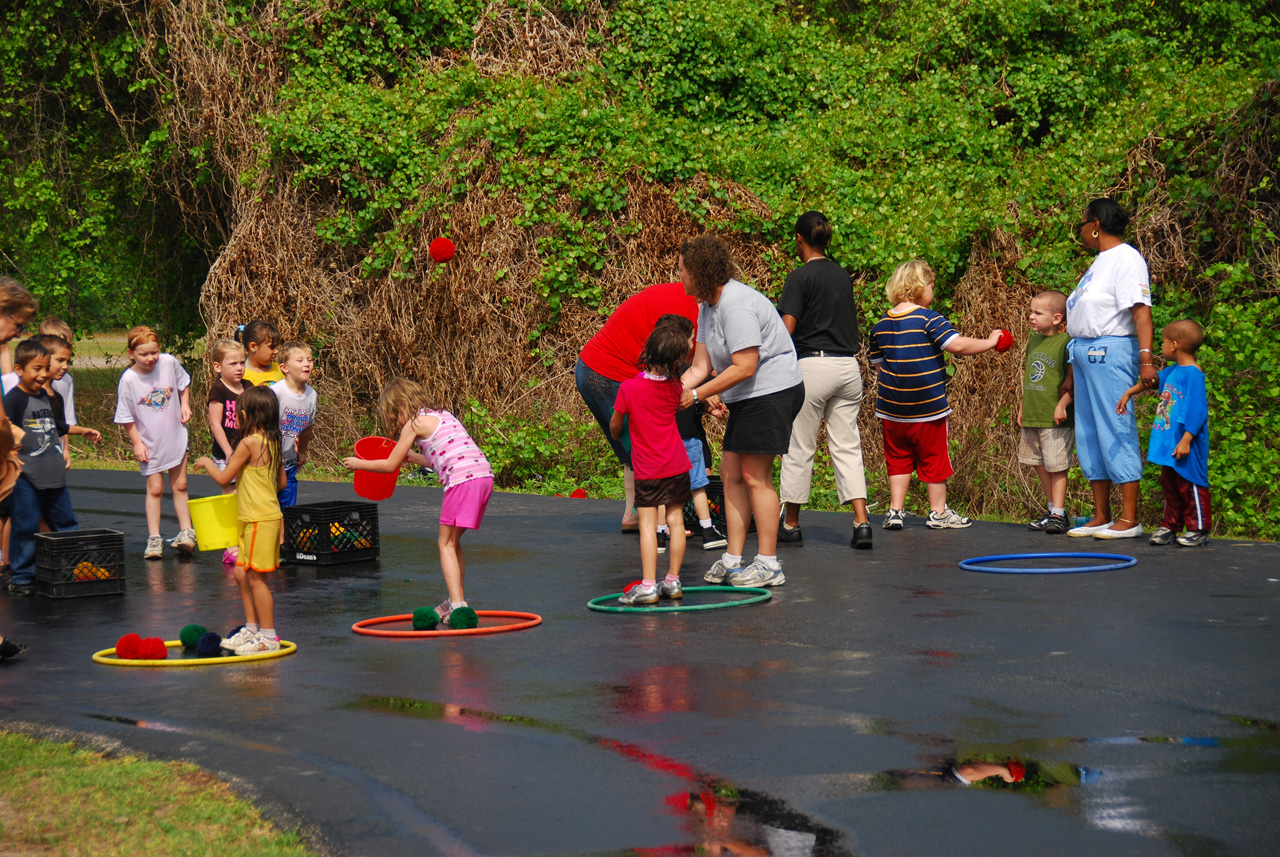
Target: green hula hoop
[(757, 596)]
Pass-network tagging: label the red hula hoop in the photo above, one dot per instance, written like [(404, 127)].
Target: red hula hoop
[(530, 620)]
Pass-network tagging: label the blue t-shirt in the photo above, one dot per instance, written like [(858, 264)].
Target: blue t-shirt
[(1183, 407), (909, 349)]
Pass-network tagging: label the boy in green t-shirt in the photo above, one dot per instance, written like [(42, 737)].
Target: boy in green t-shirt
[(1047, 434)]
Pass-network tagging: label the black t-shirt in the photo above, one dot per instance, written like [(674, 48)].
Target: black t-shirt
[(820, 295), (218, 392)]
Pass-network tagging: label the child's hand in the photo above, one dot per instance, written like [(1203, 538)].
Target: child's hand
[(93, 434), (1020, 413), (140, 453), (353, 463), (186, 413), (302, 458), (1183, 449), (1123, 405), (204, 463), (66, 456), (417, 458), (1060, 414)]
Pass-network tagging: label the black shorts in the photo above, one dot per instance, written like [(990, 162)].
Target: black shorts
[(762, 425), (652, 493)]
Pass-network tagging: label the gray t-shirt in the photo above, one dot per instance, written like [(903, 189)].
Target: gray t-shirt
[(742, 319), (41, 453)]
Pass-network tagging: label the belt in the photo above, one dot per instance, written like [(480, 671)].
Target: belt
[(803, 354)]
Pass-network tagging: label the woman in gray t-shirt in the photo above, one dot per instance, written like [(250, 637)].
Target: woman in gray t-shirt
[(742, 338)]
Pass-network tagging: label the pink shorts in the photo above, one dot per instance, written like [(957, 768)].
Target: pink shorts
[(464, 504), (921, 447)]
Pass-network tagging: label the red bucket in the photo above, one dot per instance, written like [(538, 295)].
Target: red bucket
[(370, 485)]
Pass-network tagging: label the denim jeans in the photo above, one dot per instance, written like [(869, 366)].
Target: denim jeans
[(30, 504)]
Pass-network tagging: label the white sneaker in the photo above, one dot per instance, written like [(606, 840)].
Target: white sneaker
[(947, 520), (717, 572), (1081, 532), (185, 541), (236, 640), (757, 574), (258, 644), (1132, 533), (155, 547)]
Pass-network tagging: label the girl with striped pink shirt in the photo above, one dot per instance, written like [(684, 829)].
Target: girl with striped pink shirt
[(445, 447)]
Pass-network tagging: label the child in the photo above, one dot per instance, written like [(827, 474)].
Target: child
[(260, 339), (458, 463), (907, 348), (1047, 436), (228, 384), (41, 489), (297, 413), (1180, 437), (694, 438), (59, 367), (648, 403), (153, 401), (256, 460), (60, 354)]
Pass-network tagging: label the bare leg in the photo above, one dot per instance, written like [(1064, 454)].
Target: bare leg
[(178, 484), (263, 603), (793, 514), (675, 542), (1058, 489), (155, 494), (700, 504), (1046, 484), (937, 496), (1129, 506), (860, 510), (898, 490), (1101, 502), (649, 542), (757, 474), (246, 596), (737, 502), (451, 562)]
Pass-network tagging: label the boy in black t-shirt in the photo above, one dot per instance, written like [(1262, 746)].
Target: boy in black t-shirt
[(41, 490)]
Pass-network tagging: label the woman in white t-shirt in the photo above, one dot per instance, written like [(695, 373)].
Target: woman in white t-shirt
[(742, 337), (1109, 319)]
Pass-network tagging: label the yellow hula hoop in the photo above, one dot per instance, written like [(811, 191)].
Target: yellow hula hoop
[(107, 657)]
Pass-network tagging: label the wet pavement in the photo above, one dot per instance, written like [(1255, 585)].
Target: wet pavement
[(1142, 703)]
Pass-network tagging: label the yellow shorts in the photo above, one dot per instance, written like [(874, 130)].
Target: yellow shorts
[(260, 545)]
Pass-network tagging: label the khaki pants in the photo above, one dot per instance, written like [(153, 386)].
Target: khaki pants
[(832, 391)]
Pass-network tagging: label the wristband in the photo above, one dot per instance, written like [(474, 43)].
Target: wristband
[(1140, 350), (695, 395)]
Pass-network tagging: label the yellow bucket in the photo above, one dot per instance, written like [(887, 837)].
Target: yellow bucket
[(215, 522)]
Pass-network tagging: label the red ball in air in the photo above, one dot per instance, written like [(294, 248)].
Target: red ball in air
[(441, 249)]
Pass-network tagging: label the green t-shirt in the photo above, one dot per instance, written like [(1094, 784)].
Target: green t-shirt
[(1043, 374)]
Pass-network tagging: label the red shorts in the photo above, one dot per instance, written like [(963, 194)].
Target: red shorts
[(919, 447)]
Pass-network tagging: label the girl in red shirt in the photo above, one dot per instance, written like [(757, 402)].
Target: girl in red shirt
[(646, 411)]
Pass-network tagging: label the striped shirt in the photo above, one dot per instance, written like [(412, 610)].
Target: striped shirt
[(908, 348), (452, 454)]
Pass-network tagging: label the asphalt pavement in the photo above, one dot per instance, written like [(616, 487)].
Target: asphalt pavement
[(831, 720)]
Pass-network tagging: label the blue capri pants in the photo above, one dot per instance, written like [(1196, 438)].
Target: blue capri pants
[(1106, 443)]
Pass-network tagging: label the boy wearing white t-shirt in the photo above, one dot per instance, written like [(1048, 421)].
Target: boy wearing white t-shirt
[(297, 413)]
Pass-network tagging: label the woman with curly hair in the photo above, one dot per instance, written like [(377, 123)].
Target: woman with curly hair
[(742, 337)]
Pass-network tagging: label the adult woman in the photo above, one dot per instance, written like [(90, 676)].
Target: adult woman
[(741, 336), (821, 314), (1109, 318), (609, 358), (16, 309)]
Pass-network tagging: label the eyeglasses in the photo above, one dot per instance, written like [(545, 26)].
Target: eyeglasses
[(17, 328)]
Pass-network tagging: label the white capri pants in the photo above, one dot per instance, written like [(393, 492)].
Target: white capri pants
[(832, 390)]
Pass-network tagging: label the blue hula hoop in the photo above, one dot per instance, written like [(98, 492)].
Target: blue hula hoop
[(982, 563)]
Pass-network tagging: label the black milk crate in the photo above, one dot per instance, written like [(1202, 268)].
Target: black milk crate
[(329, 533), (76, 563)]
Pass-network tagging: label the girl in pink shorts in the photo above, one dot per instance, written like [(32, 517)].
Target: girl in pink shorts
[(445, 447)]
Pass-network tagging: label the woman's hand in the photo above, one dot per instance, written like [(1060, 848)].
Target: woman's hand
[(1147, 371)]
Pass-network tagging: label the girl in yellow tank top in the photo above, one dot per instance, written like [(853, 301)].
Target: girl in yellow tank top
[(256, 460)]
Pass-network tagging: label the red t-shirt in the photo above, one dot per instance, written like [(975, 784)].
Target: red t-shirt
[(614, 350), (656, 449)]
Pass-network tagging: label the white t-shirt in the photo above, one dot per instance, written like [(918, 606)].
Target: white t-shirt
[(742, 319), (8, 381), (153, 404), (66, 388), (1101, 303), (297, 413)]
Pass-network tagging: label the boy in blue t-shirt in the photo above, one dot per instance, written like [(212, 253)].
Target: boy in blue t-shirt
[(1180, 437)]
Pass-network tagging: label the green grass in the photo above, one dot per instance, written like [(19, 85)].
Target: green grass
[(60, 799)]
